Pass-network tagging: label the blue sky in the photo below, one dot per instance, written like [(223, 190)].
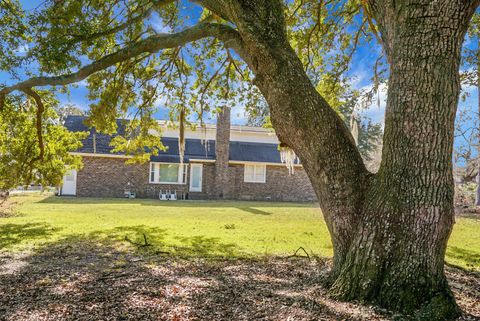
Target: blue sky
[(361, 71)]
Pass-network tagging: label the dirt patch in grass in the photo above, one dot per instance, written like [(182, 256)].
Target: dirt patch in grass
[(88, 280)]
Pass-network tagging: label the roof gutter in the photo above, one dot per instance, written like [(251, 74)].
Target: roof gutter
[(196, 160), (100, 155), (260, 163)]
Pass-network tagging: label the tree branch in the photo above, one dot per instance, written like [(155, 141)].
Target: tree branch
[(152, 44), (86, 38), (40, 109), (219, 7), (156, 5)]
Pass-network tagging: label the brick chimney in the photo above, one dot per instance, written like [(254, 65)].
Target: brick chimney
[(222, 151)]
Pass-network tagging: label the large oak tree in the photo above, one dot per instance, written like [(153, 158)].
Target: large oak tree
[(390, 229)]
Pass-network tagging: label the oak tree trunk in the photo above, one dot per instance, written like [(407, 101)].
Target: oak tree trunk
[(397, 255), (389, 230)]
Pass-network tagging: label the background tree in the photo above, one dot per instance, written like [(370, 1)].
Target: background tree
[(390, 229), (468, 124), (64, 111), (25, 160)]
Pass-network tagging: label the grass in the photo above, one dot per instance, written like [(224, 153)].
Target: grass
[(193, 228), (187, 227)]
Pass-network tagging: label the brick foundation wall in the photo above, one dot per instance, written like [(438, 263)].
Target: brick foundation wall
[(109, 177), (279, 185)]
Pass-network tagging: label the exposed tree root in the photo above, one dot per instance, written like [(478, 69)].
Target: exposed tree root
[(296, 253)]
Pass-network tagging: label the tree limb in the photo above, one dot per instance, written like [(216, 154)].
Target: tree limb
[(152, 44), (219, 7), (158, 4), (86, 38), (40, 109)]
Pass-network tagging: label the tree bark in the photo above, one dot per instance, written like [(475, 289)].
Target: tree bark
[(389, 230), (397, 255)]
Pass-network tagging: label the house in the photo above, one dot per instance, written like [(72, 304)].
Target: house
[(220, 162)]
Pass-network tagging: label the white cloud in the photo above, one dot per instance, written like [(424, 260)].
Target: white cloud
[(22, 49), (238, 115), (158, 25), (79, 104), (360, 76)]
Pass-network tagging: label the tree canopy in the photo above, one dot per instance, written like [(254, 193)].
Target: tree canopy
[(33, 151), (131, 65)]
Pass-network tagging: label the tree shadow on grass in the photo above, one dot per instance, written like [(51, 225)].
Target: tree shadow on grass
[(242, 205), (202, 246), (156, 240), (252, 207), (254, 211), (142, 238), (80, 278), (471, 258), (133, 232), (13, 234), (89, 277)]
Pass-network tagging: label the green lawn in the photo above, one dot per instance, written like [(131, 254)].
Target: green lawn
[(193, 227)]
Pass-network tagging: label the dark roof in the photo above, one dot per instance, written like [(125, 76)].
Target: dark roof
[(194, 148), (76, 124), (254, 152)]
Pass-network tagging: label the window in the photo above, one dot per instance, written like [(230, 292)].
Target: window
[(166, 173), (255, 173)]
